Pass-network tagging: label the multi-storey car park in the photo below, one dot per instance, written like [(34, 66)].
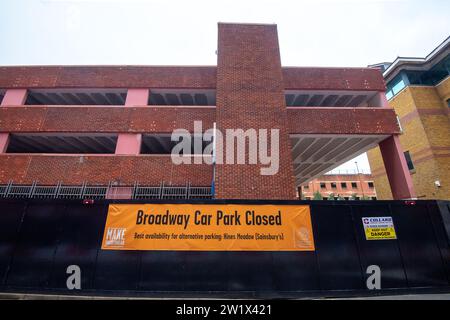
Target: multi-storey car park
[(110, 126)]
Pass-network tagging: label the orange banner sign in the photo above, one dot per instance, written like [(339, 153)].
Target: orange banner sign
[(208, 227)]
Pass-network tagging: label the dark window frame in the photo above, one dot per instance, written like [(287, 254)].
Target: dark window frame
[(409, 160)]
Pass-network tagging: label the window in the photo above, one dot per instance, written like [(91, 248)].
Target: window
[(389, 95), (374, 198), (430, 77), (409, 161), (344, 185), (370, 183), (398, 87), (395, 86), (448, 103), (306, 187), (354, 185), (322, 185), (333, 185)]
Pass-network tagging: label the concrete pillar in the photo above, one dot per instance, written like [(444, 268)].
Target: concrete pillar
[(12, 97), (379, 100), (119, 193), (396, 168), (4, 139), (130, 143), (137, 97), (383, 100)]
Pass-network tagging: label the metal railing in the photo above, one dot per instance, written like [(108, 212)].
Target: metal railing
[(110, 191)]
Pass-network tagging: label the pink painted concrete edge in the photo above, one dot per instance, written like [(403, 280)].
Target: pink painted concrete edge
[(129, 143)]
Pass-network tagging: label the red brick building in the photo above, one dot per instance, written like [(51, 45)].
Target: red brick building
[(340, 186), (102, 124)]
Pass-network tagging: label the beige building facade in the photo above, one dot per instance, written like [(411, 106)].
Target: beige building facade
[(419, 91)]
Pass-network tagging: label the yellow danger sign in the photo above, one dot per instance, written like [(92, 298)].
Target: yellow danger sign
[(208, 227), (379, 228)]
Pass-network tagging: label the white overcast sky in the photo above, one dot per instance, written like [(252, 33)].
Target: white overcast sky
[(352, 33)]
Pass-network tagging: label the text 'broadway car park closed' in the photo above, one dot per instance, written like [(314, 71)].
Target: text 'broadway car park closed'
[(208, 227)]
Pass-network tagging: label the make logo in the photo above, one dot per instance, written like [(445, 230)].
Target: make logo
[(115, 237), (302, 238)]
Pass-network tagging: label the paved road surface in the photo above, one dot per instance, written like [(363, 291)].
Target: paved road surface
[(11, 296)]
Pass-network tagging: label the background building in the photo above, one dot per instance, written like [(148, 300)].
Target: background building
[(340, 186), (419, 91), (111, 125)]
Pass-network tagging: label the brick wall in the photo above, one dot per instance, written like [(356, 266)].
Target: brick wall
[(333, 79), (167, 118), (103, 119), (76, 169), (342, 121), (108, 77), (179, 77), (250, 94), (443, 90), (379, 174)]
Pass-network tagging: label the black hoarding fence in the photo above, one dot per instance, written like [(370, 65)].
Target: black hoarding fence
[(39, 239)]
